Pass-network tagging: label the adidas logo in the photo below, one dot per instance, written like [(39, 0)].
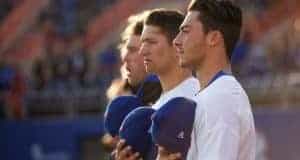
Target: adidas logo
[(181, 135)]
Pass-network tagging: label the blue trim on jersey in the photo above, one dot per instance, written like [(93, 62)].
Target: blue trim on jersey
[(215, 77), (218, 75)]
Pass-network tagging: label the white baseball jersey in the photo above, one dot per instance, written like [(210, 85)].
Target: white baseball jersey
[(187, 88), (224, 126)]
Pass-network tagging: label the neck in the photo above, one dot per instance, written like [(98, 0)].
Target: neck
[(210, 68), (173, 77)]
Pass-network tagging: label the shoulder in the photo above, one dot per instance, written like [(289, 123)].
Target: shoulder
[(193, 82), (224, 89), (189, 86), (186, 88), (224, 100)]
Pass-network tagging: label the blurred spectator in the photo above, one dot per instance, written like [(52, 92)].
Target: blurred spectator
[(294, 43), (41, 74), (6, 73), (47, 27), (12, 88), (277, 50), (15, 97), (79, 60), (108, 67), (240, 53), (257, 63), (60, 63), (6, 77)]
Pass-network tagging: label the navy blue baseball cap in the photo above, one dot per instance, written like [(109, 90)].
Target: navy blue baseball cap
[(117, 110), (172, 125), (135, 130), (151, 78)]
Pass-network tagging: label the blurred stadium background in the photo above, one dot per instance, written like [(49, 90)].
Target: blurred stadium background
[(57, 58)]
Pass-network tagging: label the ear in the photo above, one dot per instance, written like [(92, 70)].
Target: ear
[(213, 38)]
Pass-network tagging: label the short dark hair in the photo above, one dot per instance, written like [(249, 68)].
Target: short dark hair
[(135, 25), (220, 15), (167, 20)]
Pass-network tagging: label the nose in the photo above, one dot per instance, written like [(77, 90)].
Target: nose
[(126, 58), (143, 50), (177, 43)]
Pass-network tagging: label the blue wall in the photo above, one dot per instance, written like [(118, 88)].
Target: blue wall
[(55, 139)]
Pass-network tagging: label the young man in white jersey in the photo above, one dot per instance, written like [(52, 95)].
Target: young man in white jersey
[(160, 58), (224, 126), (135, 72), (160, 28), (138, 80)]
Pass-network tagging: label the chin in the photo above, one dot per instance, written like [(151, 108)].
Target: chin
[(130, 82), (149, 70), (183, 64)]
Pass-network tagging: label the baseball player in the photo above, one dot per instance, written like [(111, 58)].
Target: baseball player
[(141, 83), (224, 127), (135, 72), (160, 28), (160, 58)]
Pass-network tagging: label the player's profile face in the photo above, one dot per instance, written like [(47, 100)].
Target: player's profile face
[(132, 60), (190, 41), (158, 53)]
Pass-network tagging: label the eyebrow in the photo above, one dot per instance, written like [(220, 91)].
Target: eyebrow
[(184, 26), (145, 39), (132, 47)]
